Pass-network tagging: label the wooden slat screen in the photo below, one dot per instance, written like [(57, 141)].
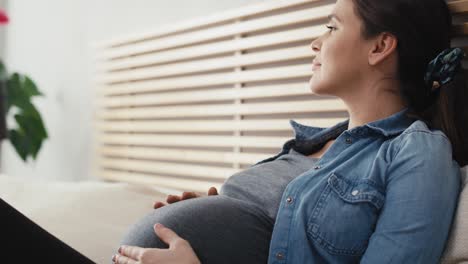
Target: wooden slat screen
[(187, 106)]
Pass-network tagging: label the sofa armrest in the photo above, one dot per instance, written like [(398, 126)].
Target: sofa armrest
[(90, 216)]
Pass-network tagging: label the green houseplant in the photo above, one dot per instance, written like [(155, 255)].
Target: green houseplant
[(16, 93)]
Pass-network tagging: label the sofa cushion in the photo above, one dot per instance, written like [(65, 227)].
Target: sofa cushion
[(90, 216), (456, 250)]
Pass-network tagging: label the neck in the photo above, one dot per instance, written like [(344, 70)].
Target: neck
[(374, 106)]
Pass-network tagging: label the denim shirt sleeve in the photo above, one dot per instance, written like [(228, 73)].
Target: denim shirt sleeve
[(423, 184)]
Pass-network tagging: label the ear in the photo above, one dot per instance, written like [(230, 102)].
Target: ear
[(383, 46)]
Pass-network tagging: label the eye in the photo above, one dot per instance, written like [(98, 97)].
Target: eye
[(330, 27)]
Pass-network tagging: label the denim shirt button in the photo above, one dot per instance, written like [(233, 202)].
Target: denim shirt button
[(349, 141), (279, 255), (317, 167), (289, 199), (355, 192)]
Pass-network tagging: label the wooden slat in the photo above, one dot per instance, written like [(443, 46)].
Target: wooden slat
[(279, 73), (460, 30), (225, 109), (194, 141), (210, 125), (208, 65), (458, 7), (212, 95), (156, 167), (219, 17), (159, 180), (217, 48), (210, 34), (181, 155)]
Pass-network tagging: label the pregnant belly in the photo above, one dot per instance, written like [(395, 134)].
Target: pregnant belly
[(219, 228)]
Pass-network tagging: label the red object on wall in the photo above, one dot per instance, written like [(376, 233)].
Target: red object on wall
[(3, 17)]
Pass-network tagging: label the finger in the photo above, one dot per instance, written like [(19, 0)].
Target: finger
[(131, 252), (167, 235), (188, 195), (158, 205), (119, 259), (173, 198), (212, 191)]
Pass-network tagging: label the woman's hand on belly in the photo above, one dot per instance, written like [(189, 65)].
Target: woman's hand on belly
[(179, 251), (185, 195)]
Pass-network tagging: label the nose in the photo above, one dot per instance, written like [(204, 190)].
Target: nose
[(315, 45)]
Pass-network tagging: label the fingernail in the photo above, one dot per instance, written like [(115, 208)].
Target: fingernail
[(158, 225), (120, 250)]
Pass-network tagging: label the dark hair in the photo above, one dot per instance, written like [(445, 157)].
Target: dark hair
[(423, 29)]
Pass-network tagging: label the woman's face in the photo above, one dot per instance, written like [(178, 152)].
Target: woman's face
[(342, 54)]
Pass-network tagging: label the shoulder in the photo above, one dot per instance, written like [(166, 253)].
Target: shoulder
[(424, 155), (420, 127), (419, 141), (419, 138)]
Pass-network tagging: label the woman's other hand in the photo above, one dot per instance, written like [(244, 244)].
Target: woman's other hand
[(179, 251), (185, 195)]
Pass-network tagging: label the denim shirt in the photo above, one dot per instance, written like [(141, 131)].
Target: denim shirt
[(384, 192)]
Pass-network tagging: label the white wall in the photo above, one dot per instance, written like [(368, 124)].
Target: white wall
[(50, 41)]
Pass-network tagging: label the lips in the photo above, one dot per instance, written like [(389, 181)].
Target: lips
[(315, 65)]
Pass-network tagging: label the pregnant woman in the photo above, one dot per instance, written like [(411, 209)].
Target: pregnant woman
[(380, 187)]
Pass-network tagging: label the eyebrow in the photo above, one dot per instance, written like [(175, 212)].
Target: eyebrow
[(335, 17)]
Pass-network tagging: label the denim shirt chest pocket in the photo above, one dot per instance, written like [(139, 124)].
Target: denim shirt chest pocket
[(345, 215)]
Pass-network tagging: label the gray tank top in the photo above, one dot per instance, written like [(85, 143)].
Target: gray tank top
[(263, 184)]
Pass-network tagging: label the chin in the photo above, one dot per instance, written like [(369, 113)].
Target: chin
[(317, 86)]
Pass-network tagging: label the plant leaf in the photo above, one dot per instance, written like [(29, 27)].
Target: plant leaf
[(3, 72), (31, 126), (30, 87), (30, 133), (19, 142)]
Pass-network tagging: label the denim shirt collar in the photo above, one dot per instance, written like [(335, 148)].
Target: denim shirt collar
[(387, 127)]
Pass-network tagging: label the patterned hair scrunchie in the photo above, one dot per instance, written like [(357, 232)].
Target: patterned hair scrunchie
[(443, 68)]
